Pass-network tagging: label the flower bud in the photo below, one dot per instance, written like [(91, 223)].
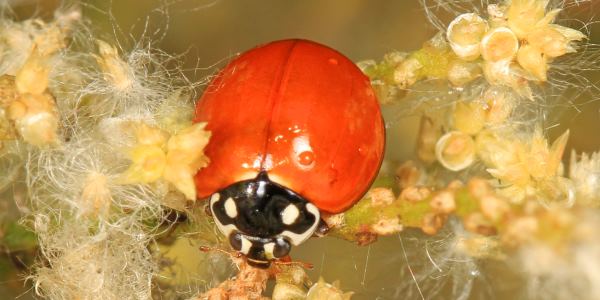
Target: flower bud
[(534, 61), (469, 117), (455, 150), (464, 34), (499, 44)]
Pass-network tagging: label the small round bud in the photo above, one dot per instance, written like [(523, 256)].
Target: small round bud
[(534, 61), (455, 150), (464, 34), (499, 44)]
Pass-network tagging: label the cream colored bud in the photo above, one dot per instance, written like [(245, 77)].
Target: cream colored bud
[(148, 164), (96, 196), (464, 34), (554, 40), (116, 71), (544, 161), (499, 104), (443, 202), (149, 135), (407, 73), (499, 44), (534, 61), (286, 291), (524, 15), (493, 150), (185, 156), (381, 196), (549, 41), (414, 194), (570, 34), (187, 146), (455, 150), (323, 290), (468, 117), (32, 78), (387, 226), (408, 174), (17, 110), (462, 72), (39, 128)]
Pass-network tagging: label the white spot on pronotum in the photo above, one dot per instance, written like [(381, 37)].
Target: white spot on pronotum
[(225, 229), (295, 238), (290, 214), (246, 244), (215, 197), (269, 248), (230, 208)]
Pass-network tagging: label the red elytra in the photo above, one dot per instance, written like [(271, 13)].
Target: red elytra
[(300, 111)]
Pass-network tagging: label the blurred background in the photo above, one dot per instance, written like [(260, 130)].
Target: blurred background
[(206, 33)]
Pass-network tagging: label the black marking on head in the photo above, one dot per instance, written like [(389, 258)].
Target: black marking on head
[(268, 217)]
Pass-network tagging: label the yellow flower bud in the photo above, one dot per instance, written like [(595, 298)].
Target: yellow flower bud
[(524, 15), (17, 110), (534, 61), (185, 156), (549, 41), (96, 197), (455, 150), (323, 290), (499, 44), (148, 135), (38, 129), (499, 104), (544, 161), (464, 34), (32, 78), (148, 164), (116, 71), (554, 40), (469, 117)]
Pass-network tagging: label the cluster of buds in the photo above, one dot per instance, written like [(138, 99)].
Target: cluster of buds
[(452, 142), (483, 211), (527, 167), (515, 43), (27, 109), (174, 158)]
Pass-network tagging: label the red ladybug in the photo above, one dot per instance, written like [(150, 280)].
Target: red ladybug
[(296, 131)]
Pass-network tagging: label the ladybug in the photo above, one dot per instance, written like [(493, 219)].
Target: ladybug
[(296, 132)]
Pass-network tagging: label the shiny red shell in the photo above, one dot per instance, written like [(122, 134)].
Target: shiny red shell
[(299, 110)]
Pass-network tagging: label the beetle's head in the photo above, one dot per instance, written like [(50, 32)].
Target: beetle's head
[(263, 219)]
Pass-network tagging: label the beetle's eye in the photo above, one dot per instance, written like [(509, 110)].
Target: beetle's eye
[(282, 248), (236, 241), (290, 214)]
